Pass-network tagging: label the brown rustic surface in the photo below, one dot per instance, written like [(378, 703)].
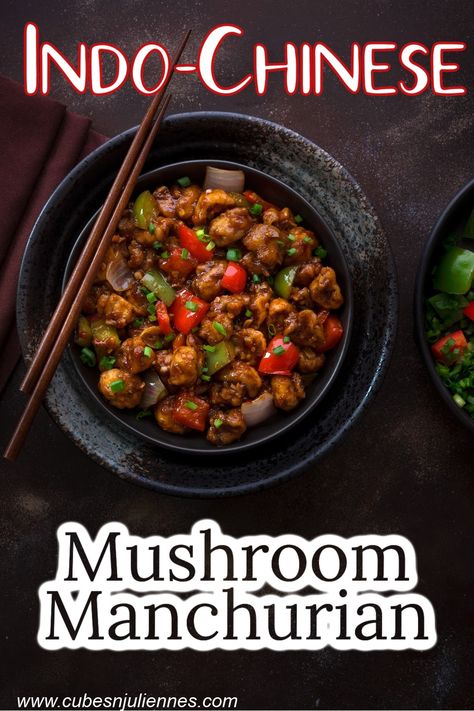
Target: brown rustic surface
[(405, 468)]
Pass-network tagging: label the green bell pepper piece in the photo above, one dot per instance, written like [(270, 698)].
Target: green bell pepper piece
[(154, 281), (104, 337), (83, 336), (284, 280), (455, 271), (143, 209), (223, 353)]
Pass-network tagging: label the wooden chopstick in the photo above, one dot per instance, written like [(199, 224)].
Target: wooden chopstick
[(70, 293), (70, 315)]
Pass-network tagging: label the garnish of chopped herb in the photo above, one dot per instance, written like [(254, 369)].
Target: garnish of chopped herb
[(298, 219), (256, 209), (158, 345), (291, 251), (255, 279), (117, 386), (248, 313), (306, 239), (152, 308), (233, 254), (170, 337), (191, 306), (279, 350), (219, 328), (205, 377), (147, 352), (320, 252), (138, 322), (291, 238), (151, 298), (107, 362), (191, 405), (165, 255), (218, 423), (142, 414), (286, 339), (184, 253), (209, 349), (157, 245), (151, 228), (87, 356), (210, 245), (184, 182)]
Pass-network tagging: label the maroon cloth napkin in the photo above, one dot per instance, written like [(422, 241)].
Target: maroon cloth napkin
[(40, 141)]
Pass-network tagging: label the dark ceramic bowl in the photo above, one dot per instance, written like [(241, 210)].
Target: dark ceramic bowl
[(453, 217), (274, 191)]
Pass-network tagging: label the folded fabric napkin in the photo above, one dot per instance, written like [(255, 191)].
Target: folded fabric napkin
[(40, 141)]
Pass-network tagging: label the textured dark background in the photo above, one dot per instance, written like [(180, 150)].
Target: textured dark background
[(405, 468)]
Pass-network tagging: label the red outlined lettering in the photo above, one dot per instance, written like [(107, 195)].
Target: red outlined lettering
[(350, 79), (370, 67), (438, 68), (422, 78), (207, 57), (138, 65), (98, 87), (263, 67), (77, 78)]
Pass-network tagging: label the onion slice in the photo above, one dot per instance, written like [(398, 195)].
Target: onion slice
[(258, 410), (232, 181), (154, 390), (118, 274)]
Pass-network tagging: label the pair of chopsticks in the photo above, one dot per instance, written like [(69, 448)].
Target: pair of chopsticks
[(63, 321)]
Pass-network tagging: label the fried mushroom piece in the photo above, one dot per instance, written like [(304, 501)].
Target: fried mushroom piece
[(287, 391), (325, 290), (231, 426), (207, 282), (309, 361), (131, 356), (186, 199), (259, 301), (210, 203), (165, 201), (223, 311), (230, 226), (250, 345), (116, 310), (164, 415), (184, 367), (305, 328), (266, 245), (235, 383), (131, 391)]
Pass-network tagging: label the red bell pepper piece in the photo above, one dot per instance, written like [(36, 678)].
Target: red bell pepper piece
[(450, 348), (190, 241), (163, 318), (333, 332), (469, 311), (191, 411), (188, 311), (183, 266), (280, 357), (235, 278)]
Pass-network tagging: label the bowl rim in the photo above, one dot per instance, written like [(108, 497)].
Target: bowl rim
[(431, 246), (305, 408)]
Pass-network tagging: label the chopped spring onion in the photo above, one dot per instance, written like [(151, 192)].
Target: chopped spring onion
[(291, 251), (256, 209), (165, 255), (320, 252), (157, 246), (279, 350), (142, 414), (210, 245), (460, 402), (306, 239), (218, 423), (248, 313), (170, 337), (107, 362), (117, 386), (219, 328), (201, 234), (158, 345), (138, 322), (209, 349), (88, 357), (291, 238), (233, 254), (147, 352), (191, 405), (286, 339), (151, 297), (205, 377), (298, 219), (151, 228), (184, 182), (184, 253), (191, 306), (255, 279)]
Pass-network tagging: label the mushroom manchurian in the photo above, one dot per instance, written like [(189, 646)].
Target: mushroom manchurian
[(213, 309)]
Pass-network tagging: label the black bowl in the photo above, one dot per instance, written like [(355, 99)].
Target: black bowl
[(451, 219), (274, 191)]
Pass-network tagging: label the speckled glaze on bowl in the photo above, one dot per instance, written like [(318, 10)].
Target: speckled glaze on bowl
[(194, 442), (454, 216), (320, 180)]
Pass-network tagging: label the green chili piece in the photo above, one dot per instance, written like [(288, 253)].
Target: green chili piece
[(156, 282)]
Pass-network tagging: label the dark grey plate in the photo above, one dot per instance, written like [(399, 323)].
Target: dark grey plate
[(274, 191), (451, 220), (324, 184)]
